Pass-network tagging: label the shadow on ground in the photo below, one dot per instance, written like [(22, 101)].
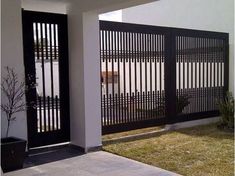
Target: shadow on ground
[(52, 155)]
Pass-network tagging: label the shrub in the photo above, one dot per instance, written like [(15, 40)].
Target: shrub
[(226, 108), (181, 102)]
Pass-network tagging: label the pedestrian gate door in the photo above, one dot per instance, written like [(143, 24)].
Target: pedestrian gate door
[(46, 69)]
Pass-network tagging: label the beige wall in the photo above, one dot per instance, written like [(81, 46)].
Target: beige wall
[(212, 15)]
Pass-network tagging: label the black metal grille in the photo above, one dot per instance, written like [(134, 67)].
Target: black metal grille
[(46, 52), (157, 75), (46, 64), (200, 72)]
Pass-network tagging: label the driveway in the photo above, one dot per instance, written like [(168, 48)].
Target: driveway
[(97, 163)]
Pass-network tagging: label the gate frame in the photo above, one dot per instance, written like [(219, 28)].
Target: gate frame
[(170, 77), (28, 17)]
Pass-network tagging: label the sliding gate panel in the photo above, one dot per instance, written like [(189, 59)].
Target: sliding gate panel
[(154, 75), (46, 68), (201, 73), (132, 75)]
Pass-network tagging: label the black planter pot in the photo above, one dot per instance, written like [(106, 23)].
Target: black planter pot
[(12, 153)]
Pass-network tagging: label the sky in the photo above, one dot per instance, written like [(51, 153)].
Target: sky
[(112, 16)]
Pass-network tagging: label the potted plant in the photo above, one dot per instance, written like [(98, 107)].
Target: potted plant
[(12, 148), (226, 108)]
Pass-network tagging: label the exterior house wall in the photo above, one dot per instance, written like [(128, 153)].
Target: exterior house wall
[(210, 15), (44, 6), (12, 56), (84, 59)]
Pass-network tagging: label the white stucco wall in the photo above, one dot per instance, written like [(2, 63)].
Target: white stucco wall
[(44, 6), (84, 59), (211, 15), (12, 56)]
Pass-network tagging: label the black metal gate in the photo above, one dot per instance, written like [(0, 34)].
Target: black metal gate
[(46, 69), (159, 75)]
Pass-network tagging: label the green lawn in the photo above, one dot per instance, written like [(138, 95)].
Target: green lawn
[(200, 151)]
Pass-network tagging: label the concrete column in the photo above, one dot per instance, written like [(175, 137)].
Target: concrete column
[(84, 65)]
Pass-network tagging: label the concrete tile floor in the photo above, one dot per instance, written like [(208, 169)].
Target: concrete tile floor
[(50, 155), (97, 163)]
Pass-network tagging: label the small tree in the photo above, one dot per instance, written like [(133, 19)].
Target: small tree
[(13, 90)]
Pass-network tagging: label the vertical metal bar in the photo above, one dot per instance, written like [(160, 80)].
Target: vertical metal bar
[(111, 109), (207, 77), (38, 58), (187, 61), (122, 109), (122, 60), (49, 111), (177, 66), (184, 57), (138, 106), (104, 118), (218, 74), (118, 65), (200, 73), (43, 77), (221, 69), (112, 62), (211, 61), (151, 89), (141, 60), (124, 71), (217, 69), (155, 71), (196, 84), (191, 62), (160, 67), (226, 63), (116, 110), (37, 41), (103, 61), (52, 77), (128, 108), (56, 57), (170, 76), (180, 59), (57, 111), (148, 101), (40, 113), (101, 77), (46, 41), (134, 44), (133, 106), (145, 73), (106, 76), (204, 80), (214, 61), (130, 60)]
